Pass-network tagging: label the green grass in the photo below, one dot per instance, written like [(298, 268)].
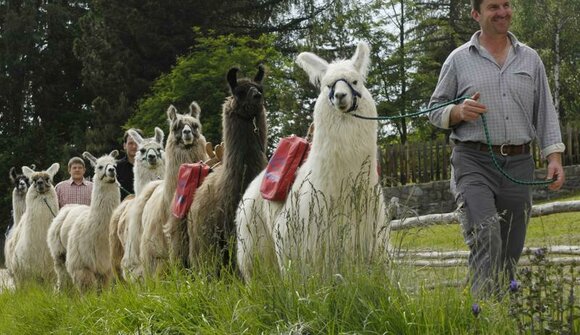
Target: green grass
[(393, 300), (555, 229), (364, 302)]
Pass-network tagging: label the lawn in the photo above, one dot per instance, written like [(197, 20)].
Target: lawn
[(555, 229)]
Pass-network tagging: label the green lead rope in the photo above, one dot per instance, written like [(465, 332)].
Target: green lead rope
[(487, 137), (495, 162)]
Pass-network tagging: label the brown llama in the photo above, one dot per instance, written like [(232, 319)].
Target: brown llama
[(210, 221)]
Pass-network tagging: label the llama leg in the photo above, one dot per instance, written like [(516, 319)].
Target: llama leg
[(84, 279), (62, 278), (178, 242), (116, 247)]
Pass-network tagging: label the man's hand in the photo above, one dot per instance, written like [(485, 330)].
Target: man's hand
[(555, 171), (468, 110)]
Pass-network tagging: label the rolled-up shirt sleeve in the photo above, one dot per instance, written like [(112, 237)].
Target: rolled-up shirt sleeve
[(547, 124)]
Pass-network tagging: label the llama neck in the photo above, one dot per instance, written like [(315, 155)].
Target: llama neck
[(144, 175), (40, 210), (244, 156), (175, 156), (104, 199), (341, 147), (18, 206)]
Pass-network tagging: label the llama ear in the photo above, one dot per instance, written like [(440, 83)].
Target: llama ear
[(52, 170), (194, 109), (114, 153), (27, 171), (233, 78), (13, 175), (159, 135), (314, 66), (171, 113), (87, 155), (361, 58), (135, 135), (260, 75)]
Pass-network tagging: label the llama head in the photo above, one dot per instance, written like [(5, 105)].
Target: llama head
[(341, 82), (184, 129), (150, 150), (19, 181), (105, 166), (41, 181), (247, 94)]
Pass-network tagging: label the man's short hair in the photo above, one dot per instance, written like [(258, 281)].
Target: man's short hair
[(76, 160), (476, 4), (126, 135)]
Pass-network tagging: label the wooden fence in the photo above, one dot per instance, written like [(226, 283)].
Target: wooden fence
[(425, 162)]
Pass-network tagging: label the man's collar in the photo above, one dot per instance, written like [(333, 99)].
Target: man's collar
[(71, 181), (474, 41)]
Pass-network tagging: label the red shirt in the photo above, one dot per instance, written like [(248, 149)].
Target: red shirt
[(69, 192)]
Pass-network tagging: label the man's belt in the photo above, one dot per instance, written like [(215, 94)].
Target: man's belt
[(504, 149)]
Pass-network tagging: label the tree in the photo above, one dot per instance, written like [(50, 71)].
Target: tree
[(200, 76), (42, 101)]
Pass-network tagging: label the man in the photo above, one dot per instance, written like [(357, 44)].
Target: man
[(125, 164), (507, 81), (76, 189)]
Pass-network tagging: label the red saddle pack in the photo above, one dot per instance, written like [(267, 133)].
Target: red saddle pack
[(190, 177), (281, 170)]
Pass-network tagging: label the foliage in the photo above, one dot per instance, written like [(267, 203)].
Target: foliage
[(544, 301), (200, 76), (43, 109)]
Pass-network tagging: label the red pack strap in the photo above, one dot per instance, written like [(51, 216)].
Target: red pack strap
[(189, 178), (281, 170)]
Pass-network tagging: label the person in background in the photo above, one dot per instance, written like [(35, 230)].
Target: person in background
[(125, 164), (506, 80), (76, 189)]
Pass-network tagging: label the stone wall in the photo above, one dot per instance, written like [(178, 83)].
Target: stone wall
[(435, 197)]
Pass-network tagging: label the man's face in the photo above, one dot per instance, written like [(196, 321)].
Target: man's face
[(130, 147), (77, 171), (494, 16)]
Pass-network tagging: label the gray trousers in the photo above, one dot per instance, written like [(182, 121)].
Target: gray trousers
[(494, 213)]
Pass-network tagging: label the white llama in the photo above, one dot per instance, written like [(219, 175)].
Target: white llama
[(78, 237), (27, 257), (335, 209), (149, 165), (146, 246)]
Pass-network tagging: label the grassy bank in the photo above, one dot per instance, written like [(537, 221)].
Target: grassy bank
[(386, 299)]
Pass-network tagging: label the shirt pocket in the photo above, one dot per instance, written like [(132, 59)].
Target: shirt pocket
[(521, 89)]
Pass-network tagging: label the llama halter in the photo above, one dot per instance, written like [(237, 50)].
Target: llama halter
[(355, 94)]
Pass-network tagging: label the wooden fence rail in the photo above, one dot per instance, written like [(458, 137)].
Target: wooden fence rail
[(562, 255), (426, 162)]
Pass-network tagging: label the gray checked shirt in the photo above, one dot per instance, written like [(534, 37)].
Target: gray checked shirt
[(517, 96)]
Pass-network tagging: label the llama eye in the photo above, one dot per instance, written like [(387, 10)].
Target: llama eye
[(100, 167), (142, 151), (355, 82)]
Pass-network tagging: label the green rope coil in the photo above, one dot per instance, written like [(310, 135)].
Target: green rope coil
[(499, 168)]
